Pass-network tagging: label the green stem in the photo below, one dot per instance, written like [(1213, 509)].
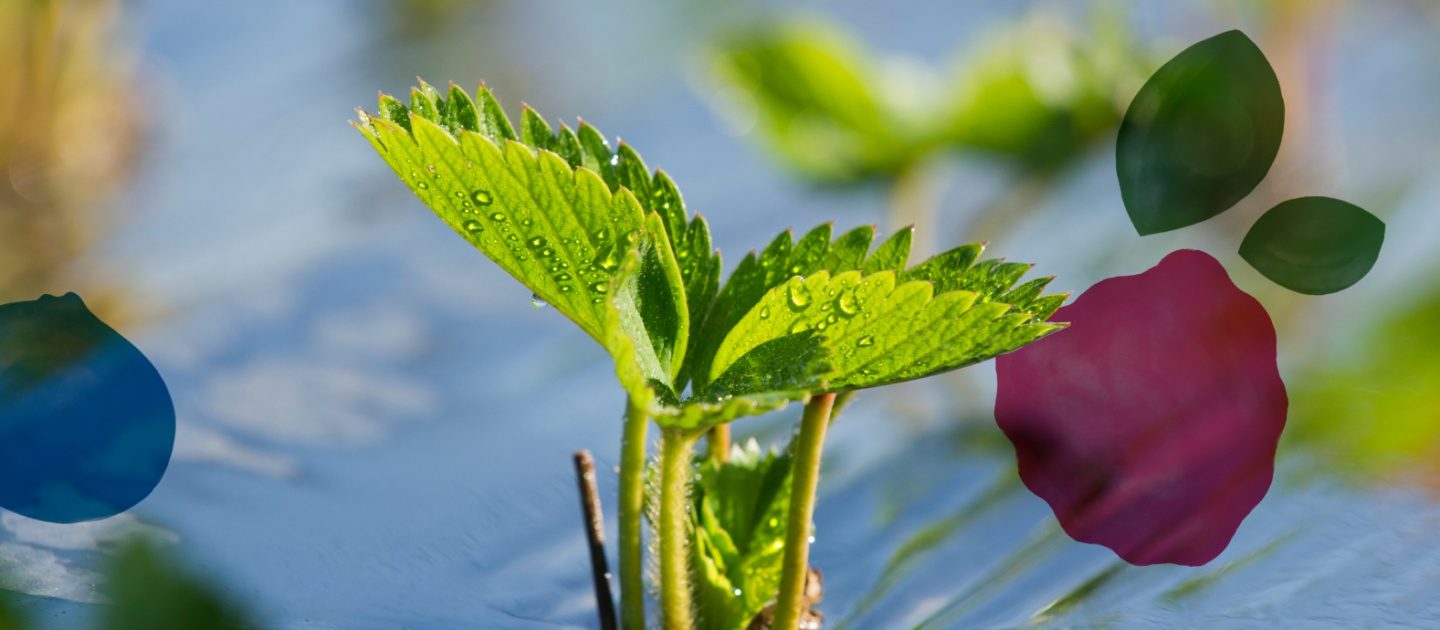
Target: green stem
[(913, 200), (632, 506), (802, 505), (717, 444), (675, 473)]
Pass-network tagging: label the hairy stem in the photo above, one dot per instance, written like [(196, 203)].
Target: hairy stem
[(802, 504), (675, 473), (717, 443), (632, 506)]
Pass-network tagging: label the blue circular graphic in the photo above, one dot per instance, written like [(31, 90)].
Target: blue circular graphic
[(86, 422)]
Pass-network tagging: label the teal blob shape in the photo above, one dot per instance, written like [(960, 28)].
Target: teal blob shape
[(87, 425)]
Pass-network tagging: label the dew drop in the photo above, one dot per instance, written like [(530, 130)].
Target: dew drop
[(799, 294), (422, 185), (472, 226), (765, 312), (482, 197), (605, 259), (547, 252), (537, 242), (848, 304), (498, 217), (866, 341), (565, 288), (600, 287), (537, 302), (798, 328), (831, 319)]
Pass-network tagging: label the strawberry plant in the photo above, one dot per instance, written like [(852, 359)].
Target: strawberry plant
[(594, 232)]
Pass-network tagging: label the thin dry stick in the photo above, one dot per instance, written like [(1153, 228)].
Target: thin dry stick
[(595, 535)]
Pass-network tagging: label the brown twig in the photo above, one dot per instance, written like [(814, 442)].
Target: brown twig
[(595, 536)]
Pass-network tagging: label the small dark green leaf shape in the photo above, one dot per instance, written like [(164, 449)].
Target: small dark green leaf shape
[(739, 519), (1314, 245), (1200, 135)]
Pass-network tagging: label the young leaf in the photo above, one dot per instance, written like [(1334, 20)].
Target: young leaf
[(780, 261), (739, 517), (1200, 135), (556, 209), (1314, 245), (638, 355), (886, 327)]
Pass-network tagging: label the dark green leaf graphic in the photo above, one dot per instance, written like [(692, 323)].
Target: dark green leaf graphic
[(1200, 135), (1314, 245)]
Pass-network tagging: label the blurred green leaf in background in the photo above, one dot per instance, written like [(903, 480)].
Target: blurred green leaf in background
[(1375, 411), (1035, 92), (148, 589)]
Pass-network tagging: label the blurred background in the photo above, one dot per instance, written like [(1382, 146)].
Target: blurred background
[(374, 423)]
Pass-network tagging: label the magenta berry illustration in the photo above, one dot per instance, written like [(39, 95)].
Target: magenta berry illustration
[(1150, 425)]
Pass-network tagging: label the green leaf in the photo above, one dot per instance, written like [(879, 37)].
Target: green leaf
[(740, 514), (817, 101), (886, 327), (781, 260), (643, 374), (1200, 135), (9, 618), (1038, 93), (557, 210), (147, 591), (1314, 245)]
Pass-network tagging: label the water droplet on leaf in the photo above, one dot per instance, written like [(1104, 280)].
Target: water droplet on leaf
[(799, 294)]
